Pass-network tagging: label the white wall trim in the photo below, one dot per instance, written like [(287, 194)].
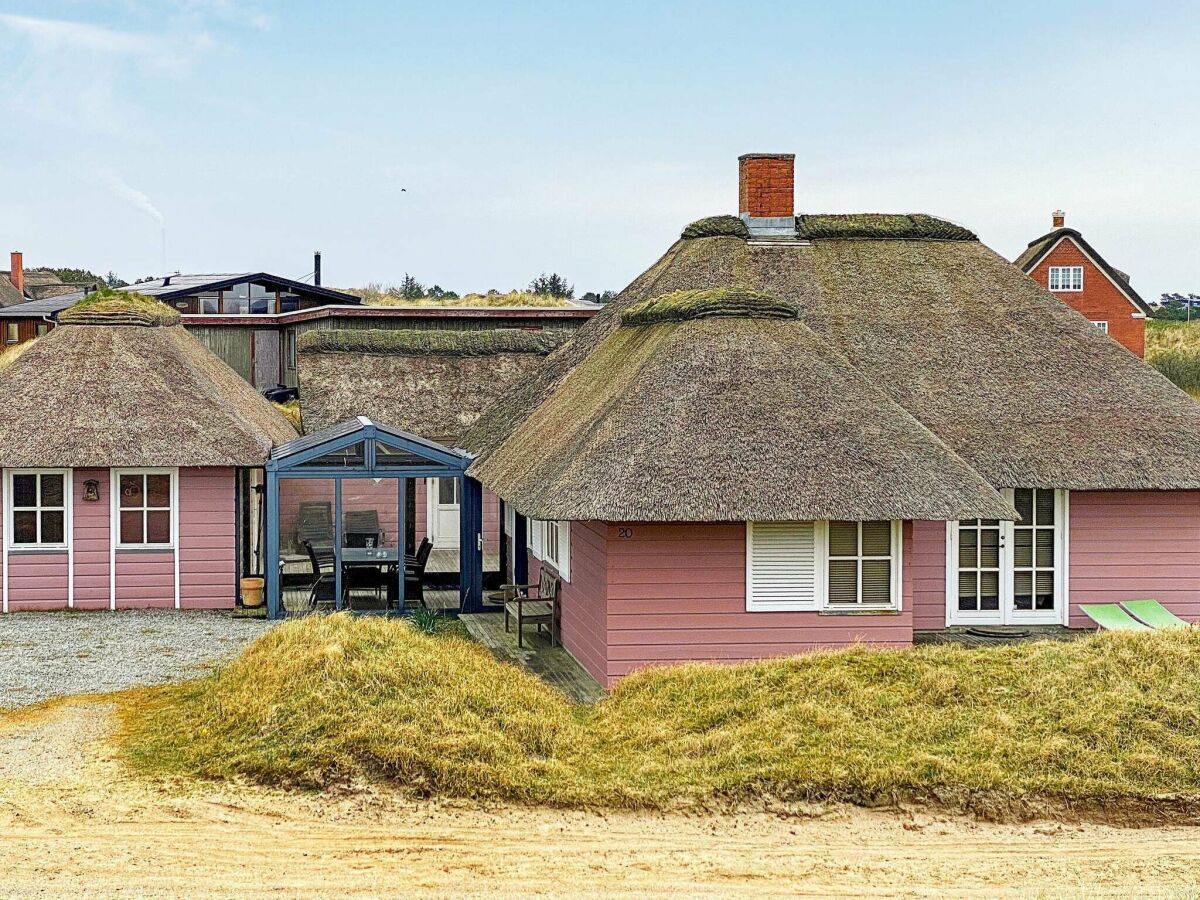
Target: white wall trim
[(178, 538), (112, 538), (4, 539), (68, 545)]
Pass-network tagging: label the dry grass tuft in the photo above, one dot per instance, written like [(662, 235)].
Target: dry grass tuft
[(1174, 349), (1109, 718), (111, 307), (290, 411), (11, 354)]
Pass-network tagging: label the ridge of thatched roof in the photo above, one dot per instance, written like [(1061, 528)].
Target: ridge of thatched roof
[(842, 227), (433, 382), (130, 395), (716, 226), (711, 303), (728, 420), (1010, 379), (110, 307), (428, 341)]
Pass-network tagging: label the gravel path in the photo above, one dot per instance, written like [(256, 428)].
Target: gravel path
[(49, 654)]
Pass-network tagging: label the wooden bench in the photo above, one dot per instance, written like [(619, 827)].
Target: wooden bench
[(540, 609)]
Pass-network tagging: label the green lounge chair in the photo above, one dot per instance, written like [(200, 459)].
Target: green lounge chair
[(1111, 617), (1153, 614)]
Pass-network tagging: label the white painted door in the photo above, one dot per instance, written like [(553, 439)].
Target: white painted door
[(1009, 573), (443, 512)]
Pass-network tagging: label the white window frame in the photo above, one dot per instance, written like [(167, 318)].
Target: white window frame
[(1101, 324), (550, 543), (820, 602), (12, 333), (895, 588), (1059, 273), (115, 511), (10, 509), (1007, 615), (290, 349)]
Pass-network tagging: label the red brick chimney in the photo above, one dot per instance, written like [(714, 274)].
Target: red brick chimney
[(16, 271), (766, 185), (1059, 218)]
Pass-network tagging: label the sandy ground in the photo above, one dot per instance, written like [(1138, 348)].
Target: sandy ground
[(72, 823)]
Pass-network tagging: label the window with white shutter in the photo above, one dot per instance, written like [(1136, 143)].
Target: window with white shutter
[(782, 565)]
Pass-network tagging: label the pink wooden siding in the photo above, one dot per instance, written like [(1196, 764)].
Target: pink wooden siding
[(1125, 545), (206, 542), (208, 538), (584, 606), (91, 542), (676, 592), (929, 575)]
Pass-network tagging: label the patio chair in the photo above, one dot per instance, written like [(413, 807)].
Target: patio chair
[(1110, 617), (314, 522), (323, 562), (359, 527), (1153, 614), (540, 610), (414, 573)]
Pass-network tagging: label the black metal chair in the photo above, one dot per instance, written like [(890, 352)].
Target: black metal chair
[(324, 569), (314, 522), (414, 573)]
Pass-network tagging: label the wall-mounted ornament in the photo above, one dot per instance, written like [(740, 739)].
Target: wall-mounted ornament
[(91, 490)]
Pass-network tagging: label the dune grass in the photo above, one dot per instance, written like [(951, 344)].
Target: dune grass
[(332, 699), (1174, 349)]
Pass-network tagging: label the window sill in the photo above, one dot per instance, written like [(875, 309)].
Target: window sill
[(53, 549), (869, 611), (158, 548)]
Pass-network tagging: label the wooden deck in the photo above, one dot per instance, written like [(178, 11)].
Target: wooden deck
[(554, 665)]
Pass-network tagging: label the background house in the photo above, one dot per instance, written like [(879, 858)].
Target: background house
[(1070, 268)]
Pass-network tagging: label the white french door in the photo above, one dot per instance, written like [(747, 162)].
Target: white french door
[(443, 512), (1010, 573)]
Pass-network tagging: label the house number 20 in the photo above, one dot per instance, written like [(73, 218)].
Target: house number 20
[(625, 532)]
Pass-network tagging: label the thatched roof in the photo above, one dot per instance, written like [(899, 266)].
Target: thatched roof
[(430, 382), (1007, 377), (130, 393)]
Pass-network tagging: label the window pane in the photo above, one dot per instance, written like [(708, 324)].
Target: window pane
[(989, 548), (24, 490), (877, 581), (24, 528), (1023, 501), (131, 528), (968, 545), (843, 581), (1045, 590), (158, 527), (1023, 551), (989, 590), (843, 538), (448, 491), (1023, 590), (131, 490), (968, 590), (52, 527), (1045, 548), (158, 490), (877, 539), (1045, 507), (52, 490)]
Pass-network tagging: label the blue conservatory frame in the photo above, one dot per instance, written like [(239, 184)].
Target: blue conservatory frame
[(295, 459)]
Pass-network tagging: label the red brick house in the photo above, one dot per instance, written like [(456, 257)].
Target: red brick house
[(1070, 268)]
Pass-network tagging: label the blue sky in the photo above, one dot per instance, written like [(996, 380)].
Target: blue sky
[(580, 137)]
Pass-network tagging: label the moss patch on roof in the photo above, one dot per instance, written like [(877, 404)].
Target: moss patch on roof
[(109, 307), (716, 226), (712, 303), (428, 342), (880, 226)]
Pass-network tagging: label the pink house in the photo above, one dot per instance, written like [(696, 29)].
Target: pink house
[(802, 431), (126, 450)]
